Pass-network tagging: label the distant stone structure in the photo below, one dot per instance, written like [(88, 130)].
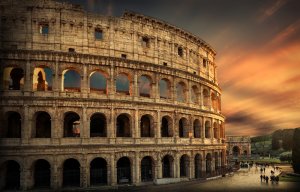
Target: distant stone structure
[(238, 146), (89, 100)]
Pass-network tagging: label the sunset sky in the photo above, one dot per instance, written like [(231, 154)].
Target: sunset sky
[(258, 53)]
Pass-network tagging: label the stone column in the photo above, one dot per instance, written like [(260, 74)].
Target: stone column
[(28, 78), (84, 172), (84, 82), (26, 125), (113, 170), (177, 166), (203, 129), (55, 175), (25, 176), (56, 86), (111, 83), (136, 128), (191, 168), (158, 168), (201, 96), (137, 172), (85, 126), (135, 86), (111, 126), (158, 125), (203, 166)]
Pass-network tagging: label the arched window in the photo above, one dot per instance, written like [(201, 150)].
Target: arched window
[(198, 166), (123, 126), (146, 126), (167, 166), (71, 125), (98, 172), (207, 129), (217, 167), (164, 89), (13, 125), (197, 129), (147, 169), (208, 165), (205, 97), (123, 84), (11, 174), (183, 128), (166, 127), (71, 81), (194, 94), (42, 125), (98, 82), (124, 170), (98, 125), (216, 130), (214, 101), (13, 78), (71, 173), (42, 79), (144, 86), (235, 151), (180, 92), (184, 166), (42, 174)]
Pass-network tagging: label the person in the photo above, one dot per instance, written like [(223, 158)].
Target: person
[(277, 179), (267, 179), (261, 177), (264, 170)]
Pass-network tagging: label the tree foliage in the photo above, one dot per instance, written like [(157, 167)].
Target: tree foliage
[(296, 151), (283, 139)]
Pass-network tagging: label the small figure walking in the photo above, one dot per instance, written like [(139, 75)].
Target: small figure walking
[(261, 177), (264, 170), (267, 179)]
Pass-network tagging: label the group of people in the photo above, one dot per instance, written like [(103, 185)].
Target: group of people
[(272, 178)]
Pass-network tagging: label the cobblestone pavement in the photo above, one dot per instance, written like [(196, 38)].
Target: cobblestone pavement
[(243, 180)]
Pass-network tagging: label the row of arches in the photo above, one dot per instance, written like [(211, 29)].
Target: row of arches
[(98, 126), (42, 80), (98, 170)]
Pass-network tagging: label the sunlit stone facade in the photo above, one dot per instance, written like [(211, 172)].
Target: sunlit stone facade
[(238, 147), (89, 100)]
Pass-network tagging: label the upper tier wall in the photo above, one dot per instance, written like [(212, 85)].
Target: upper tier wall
[(49, 25)]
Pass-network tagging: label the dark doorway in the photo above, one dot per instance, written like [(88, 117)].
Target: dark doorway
[(123, 126), (145, 126), (124, 170), (12, 175), (98, 125), (16, 75), (71, 173), (146, 169), (71, 127), (166, 166), (42, 174), (184, 166), (43, 125), (165, 127), (198, 165), (98, 172), (14, 125)]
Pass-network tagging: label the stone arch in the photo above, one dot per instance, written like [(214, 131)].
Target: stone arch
[(98, 82), (207, 129), (13, 78), (10, 174), (147, 126), (198, 165), (214, 100), (71, 173), (124, 170), (123, 125), (42, 173), (166, 126), (167, 166), (71, 80), (12, 124), (216, 130), (183, 128), (42, 79), (205, 93), (216, 157), (208, 164), (98, 125), (123, 84), (197, 128), (165, 88), (42, 125), (145, 86), (184, 165), (195, 94), (71, 124), (181, 91), (98, 171), (236, 151), (147, 169)]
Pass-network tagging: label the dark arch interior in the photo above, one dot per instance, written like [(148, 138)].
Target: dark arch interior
[(146, 126), (207, 130), (166, 166), (43, 125), (165, 127), (71, 173), (184, 166), (198, 170), (16, 75), (13, 125), (42, 174), (123, 126), (98, 172), (236, 151), (197, 129), (98, 126), (12, 175), (182, 128), (124, 170), (208, 164), (146, 169), (70, 126)]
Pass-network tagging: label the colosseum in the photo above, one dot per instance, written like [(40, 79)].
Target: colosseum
[(91, 101)]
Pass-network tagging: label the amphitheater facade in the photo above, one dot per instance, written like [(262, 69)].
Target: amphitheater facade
[(90, 100)]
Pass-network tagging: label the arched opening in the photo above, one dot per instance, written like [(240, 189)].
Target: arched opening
[(98, 172), (221, 130), (217, 167), (194, 94), (205, 97), (146, 126), (208, 164), (11, 175), (235, 151), (197, 128), (164, 89), (43, 125), (13, 128), (147, 172), (71, 81), (216, 131), (123, 84), (98, 82), (180, 92), (16, 79), (42, 79), (245, 153), (166, 127), (183, 128), (71, 173), (71, 125), (144, 86), (167, 166), (123, 126), (184, 166), (98, 125), (124, 170), (42, 174), (207, 129), (198, 166), (214, 101), (219, 103)]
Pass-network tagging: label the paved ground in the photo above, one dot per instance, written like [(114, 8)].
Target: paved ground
[(243, 180)]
